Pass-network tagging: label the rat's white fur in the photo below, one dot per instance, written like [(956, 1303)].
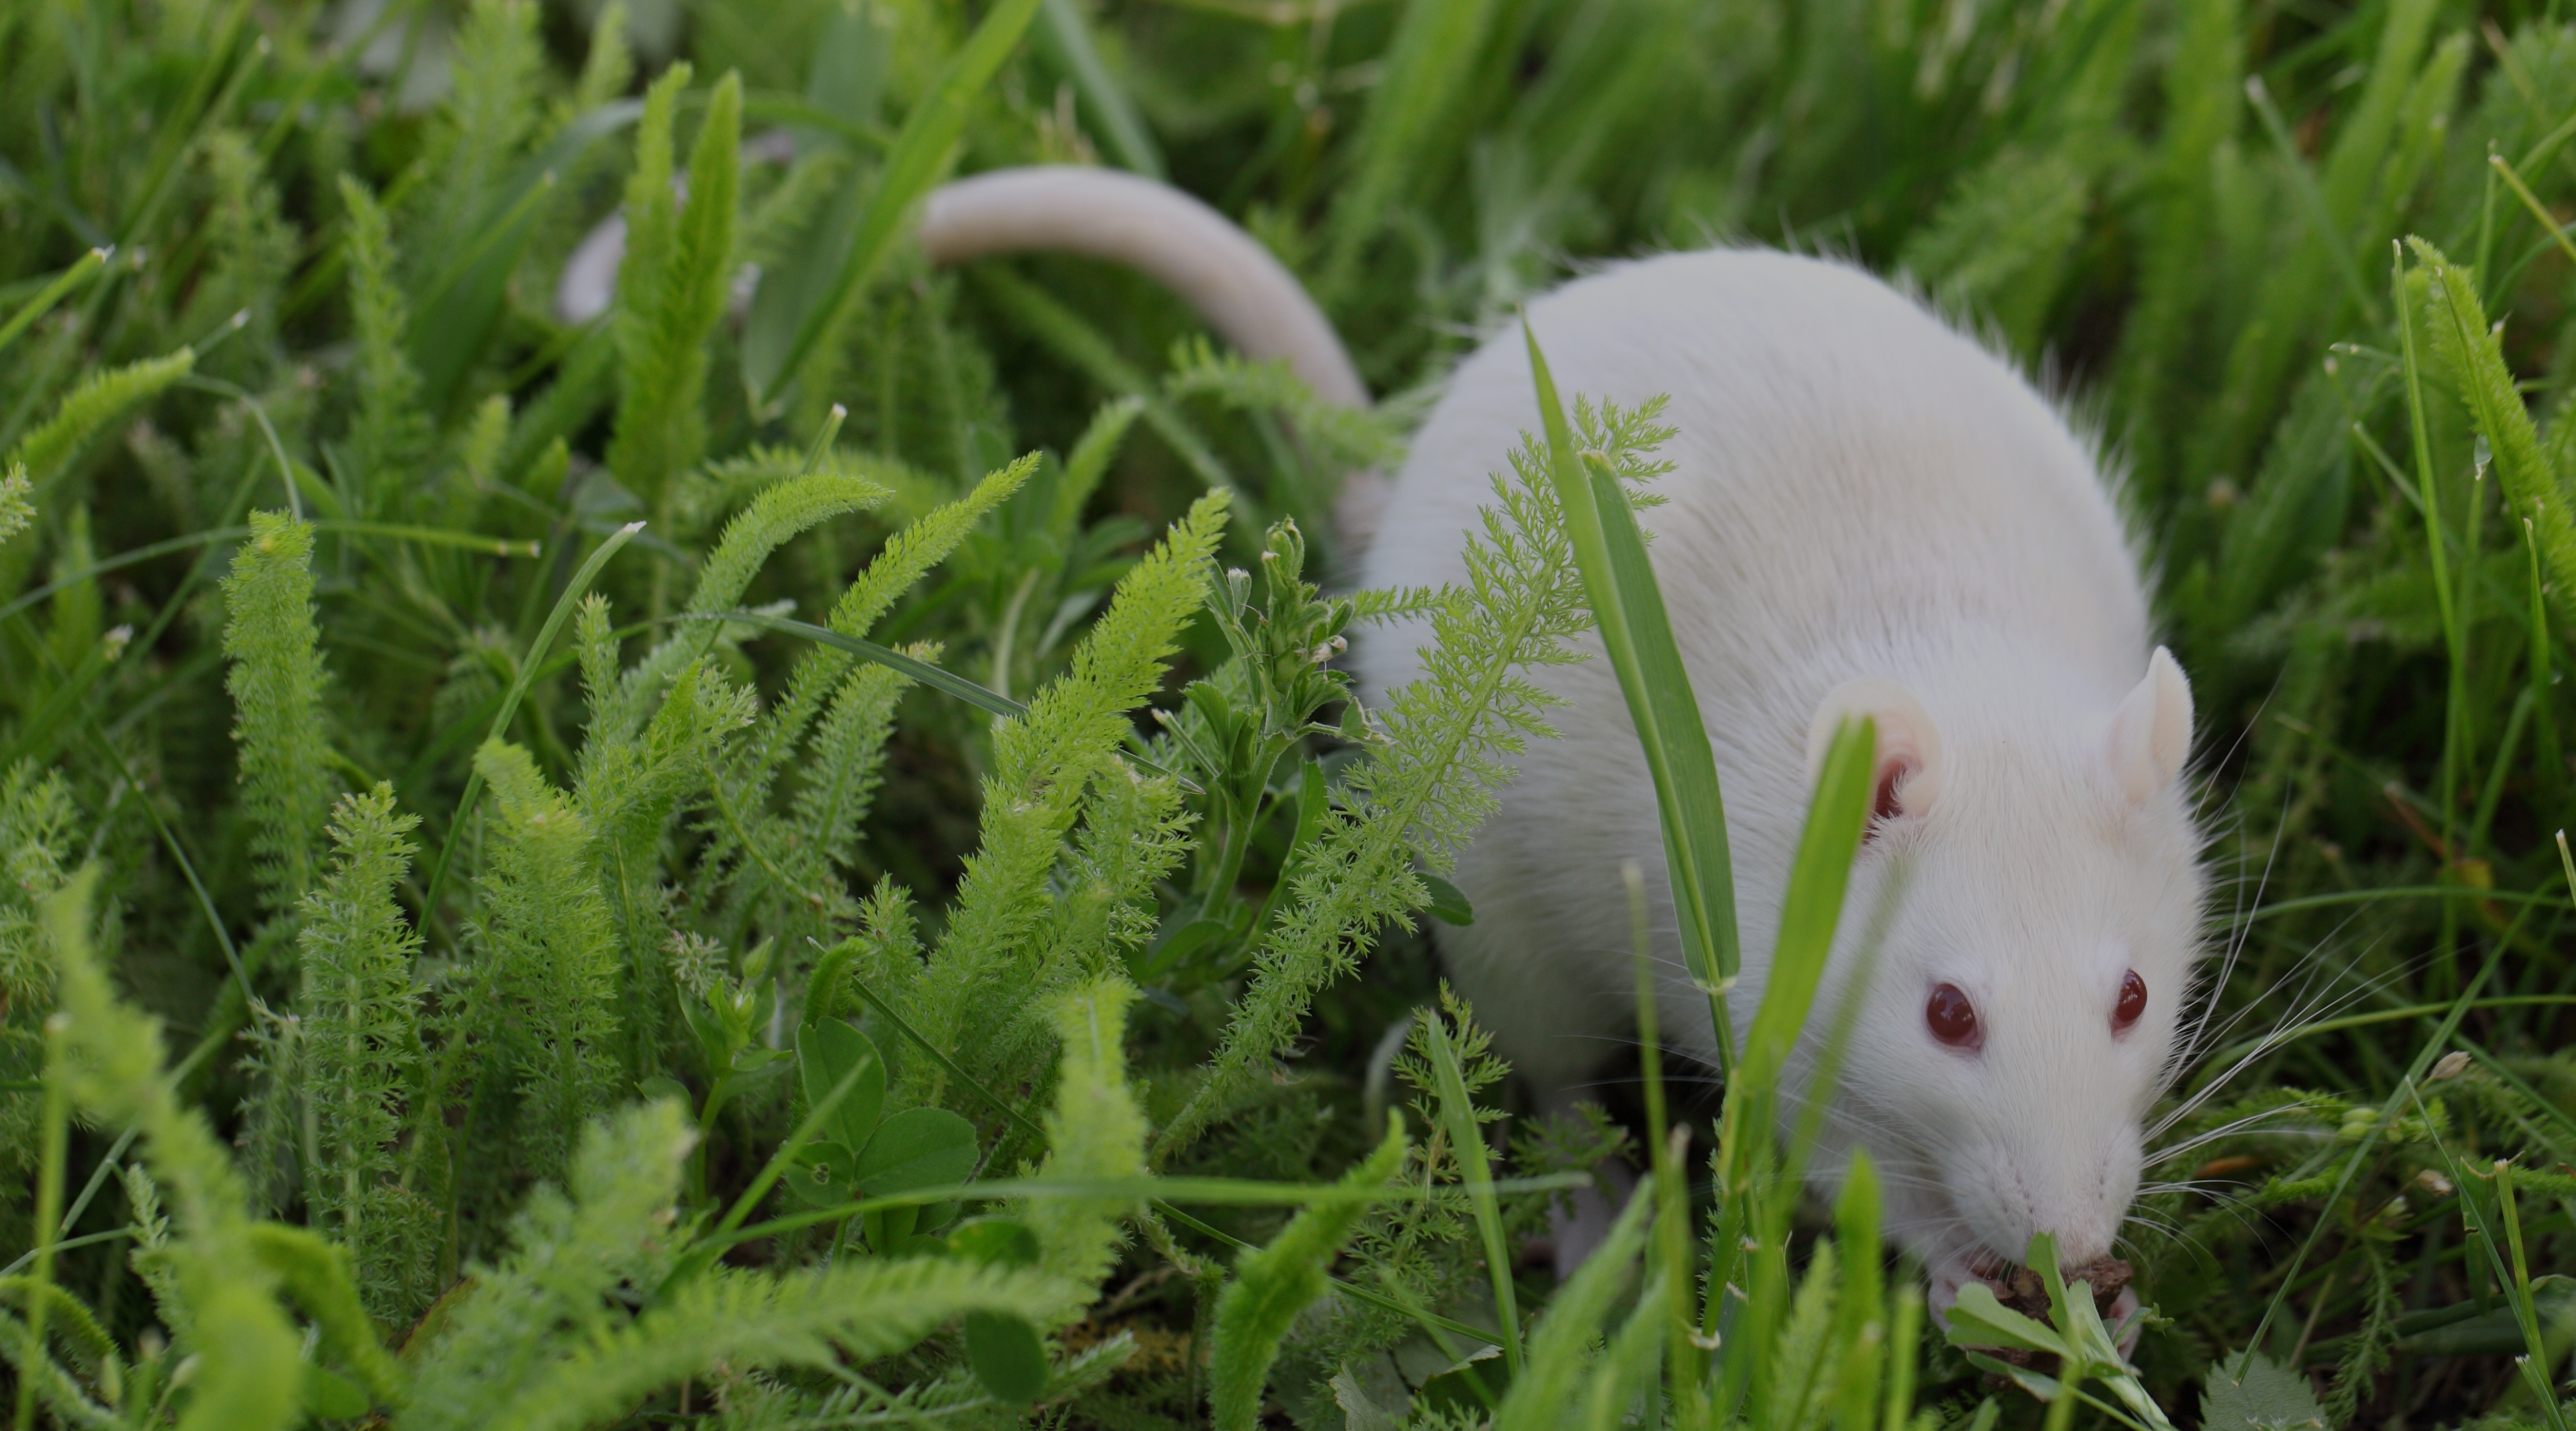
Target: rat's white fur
[(1869, 512)]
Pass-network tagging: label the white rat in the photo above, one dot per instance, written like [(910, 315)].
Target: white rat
[(1869, 513)]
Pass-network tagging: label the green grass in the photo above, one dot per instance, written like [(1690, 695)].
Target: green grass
[(594, 986)]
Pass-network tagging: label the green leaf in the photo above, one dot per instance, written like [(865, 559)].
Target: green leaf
[(317, 1275), (1860, 1311), (1978, 1320), (1467, 1144), (1272, 1286), (2475, 355), (102, 397), (1628, 606), (919, 155), (1469, 1387), (1448, 902), (332, 1397), (995, 1241), (1065, 38), (1009, 1359), (2463, 1330), (917, 1148), (825, 1175), (1813, 906), (2251, 1392), (53, 293), (827, 1051)]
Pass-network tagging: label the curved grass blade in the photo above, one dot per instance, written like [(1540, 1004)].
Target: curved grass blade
[(1627, 604), (1467, 1144), (54, 292)]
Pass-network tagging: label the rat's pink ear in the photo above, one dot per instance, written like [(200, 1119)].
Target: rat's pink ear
[(1909, 745), (2151, 732)]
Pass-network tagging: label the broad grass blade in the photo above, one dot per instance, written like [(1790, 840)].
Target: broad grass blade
[(1814, 906), (1755, 1194), (1628, 607)]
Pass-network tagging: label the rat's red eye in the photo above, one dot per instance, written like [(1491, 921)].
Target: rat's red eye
[(1952, 1019), (2133, 1002)]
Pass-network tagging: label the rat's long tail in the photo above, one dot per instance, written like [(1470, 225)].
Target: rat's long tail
[(1233, 282), (1198, 253)]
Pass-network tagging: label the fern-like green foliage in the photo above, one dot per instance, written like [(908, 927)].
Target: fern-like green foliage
[(549, 947), (361, 1051), (542, 1340), (737, 1323), (1561, 1346), (2537, 492), (101, 398), (847, 761), (980, 977), (908, 555), (1335, 438), (630, 784), (773, 517), (17, 513), (1273, 1285), (1441, 750), (608, 1227), (1096, 1131), (671, 289), (277, 686), (247, 1374), (36, 822), (390, 431)]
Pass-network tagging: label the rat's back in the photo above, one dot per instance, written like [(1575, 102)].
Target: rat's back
[(1858, 490)]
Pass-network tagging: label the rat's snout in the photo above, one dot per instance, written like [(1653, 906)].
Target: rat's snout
[(2077, 1188)]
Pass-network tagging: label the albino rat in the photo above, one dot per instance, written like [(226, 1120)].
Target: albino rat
[(1869, 513)]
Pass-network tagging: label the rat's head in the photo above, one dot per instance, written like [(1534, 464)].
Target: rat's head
[(2025, 1004)]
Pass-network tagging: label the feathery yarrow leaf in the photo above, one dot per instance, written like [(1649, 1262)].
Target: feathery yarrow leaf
[(1442, 749), (981, 976), (361, 1044), (102, 397), (276, 684), (248, 1351)]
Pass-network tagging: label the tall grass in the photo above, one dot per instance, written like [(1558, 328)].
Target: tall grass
[(794, 854)]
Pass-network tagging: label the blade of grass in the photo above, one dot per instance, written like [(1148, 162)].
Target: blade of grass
[(1628, 607), (1066, 38), (1685, 1374), (1813, 908), (1756, 1197), (1208, 1192), (1430, 63), (53, 293), (2406, 1086), (1467, 1144), (2536, 1359), (920, 153), (2311, 195), (54, 1144)]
